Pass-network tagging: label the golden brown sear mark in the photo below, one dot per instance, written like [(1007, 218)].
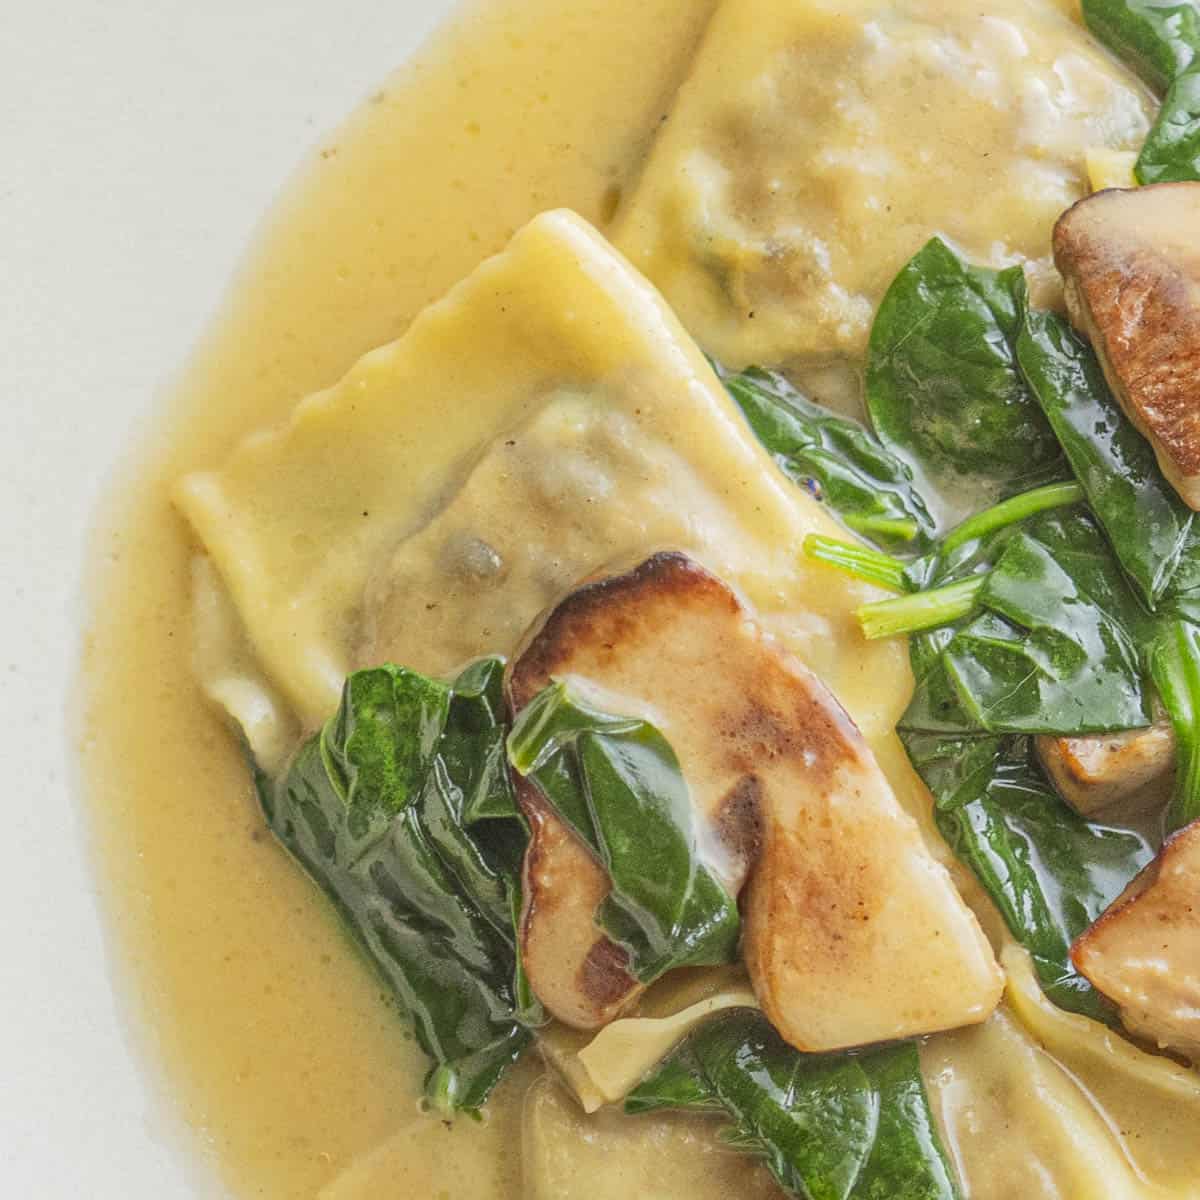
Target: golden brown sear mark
[(739, 820), (1131, 263), (605, 614)]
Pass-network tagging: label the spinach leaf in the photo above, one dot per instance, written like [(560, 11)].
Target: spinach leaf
[(473, 743), (936, 703), (829, 1127), (1175, 666), (944, 583), (1053, 647), (1183, 595), (868, 488), (1056, 649), (1160, 39), (1157, 38), (469, 812), (1049, 872), (1171, 152), (617, 782), (375, 808), (943, 389), (1147, 524)]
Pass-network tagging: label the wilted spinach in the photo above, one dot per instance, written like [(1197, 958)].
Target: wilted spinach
[(1021, 621), (869, 489), (943, 389), (1039, 634), (1056, 649), (377, 808), (1049, 872), (616, 781), (935, 705), (1149, 527), (1171, 152), (944, 583), (1157, 38), (1160, 40), (1175, 666), (829, 1126)]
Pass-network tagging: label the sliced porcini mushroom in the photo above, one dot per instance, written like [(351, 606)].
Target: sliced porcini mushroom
[(853, 932), (647, 635), (1144, 951), (1131, 262), (1132, 771), (579, 975)]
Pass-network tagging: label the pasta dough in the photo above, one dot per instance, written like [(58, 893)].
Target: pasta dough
[(603, 433), (652, 1157), (817, 144)]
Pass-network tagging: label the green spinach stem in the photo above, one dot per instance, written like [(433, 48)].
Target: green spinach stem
[(1175, 665), (1010, 511), (892, 573), (923, 610), (902, 529), (859, 561)]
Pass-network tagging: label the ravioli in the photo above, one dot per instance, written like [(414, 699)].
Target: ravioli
[(816, 145), (578, 484), (602, 1068), (1092, 1114), (618, 1157), (1015, 1123), (1152, 1105), (638, 435), (226, 670)]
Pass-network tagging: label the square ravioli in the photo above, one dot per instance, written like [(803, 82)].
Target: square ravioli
[(816, 145), (427, 507)]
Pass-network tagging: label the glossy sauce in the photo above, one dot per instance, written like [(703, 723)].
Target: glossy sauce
[(299, 1078), (275, 1043)]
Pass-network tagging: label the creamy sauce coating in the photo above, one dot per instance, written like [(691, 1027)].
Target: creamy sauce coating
[(299, 1079), (277, 1049), (608, 1157), (815, 146)]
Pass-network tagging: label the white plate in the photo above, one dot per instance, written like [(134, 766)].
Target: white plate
[(142, 141)]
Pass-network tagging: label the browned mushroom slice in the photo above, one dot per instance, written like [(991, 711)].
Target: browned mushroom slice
[(649, 636), (1133, 770), (1131, 261), (576, 972), (1144, 952), (853, 932)]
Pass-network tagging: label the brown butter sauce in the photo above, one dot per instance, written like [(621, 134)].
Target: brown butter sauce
[(272, 1040)]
